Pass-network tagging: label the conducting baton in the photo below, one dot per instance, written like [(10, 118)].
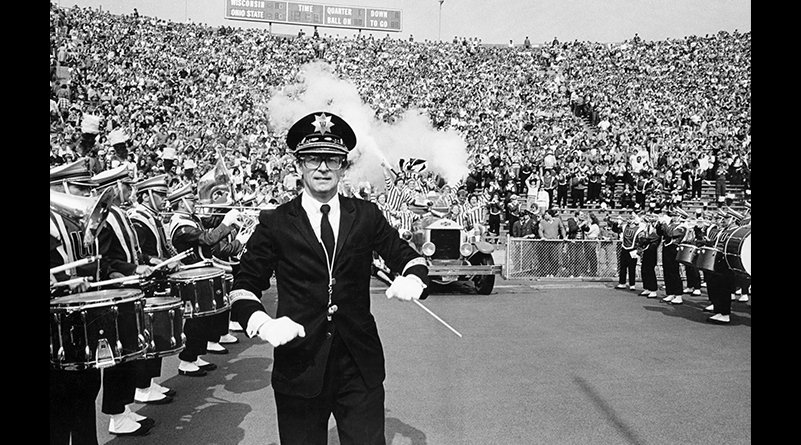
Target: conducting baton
[(384, 276)]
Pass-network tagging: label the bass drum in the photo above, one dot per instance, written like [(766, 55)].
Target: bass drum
[(736, 248)]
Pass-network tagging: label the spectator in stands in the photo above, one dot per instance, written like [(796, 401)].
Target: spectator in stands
[(209, 96), (591, 246), (550, 228)]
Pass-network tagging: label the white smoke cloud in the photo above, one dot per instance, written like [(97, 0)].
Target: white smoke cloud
[(413, 136)]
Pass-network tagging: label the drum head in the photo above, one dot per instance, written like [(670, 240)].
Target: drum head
[(162, 302), (745, 253), (99, 296), (193, 274)]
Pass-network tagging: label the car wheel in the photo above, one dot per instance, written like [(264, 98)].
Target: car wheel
[(485, 283)]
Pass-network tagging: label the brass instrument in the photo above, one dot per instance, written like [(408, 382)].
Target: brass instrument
[(734, 214), (89, 213), (248, 216)]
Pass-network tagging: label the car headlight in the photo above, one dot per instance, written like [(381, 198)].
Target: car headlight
[(428, 249), (466, 249), (406, 235)]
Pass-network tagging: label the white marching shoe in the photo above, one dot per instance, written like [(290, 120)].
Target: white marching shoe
[(719, 319)]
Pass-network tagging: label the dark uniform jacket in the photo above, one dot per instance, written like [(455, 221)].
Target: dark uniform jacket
[(284, 243)]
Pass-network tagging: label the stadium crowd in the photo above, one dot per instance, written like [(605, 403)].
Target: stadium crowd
[(572, 119)]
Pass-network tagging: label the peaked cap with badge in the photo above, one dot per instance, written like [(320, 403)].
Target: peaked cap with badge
[(321, 133)]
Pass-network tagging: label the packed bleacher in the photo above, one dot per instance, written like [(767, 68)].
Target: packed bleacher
[(591, 125)]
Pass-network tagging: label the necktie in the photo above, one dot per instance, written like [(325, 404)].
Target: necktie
[(326, 232)]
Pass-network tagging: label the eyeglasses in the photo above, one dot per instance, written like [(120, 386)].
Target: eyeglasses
[(332, 162)]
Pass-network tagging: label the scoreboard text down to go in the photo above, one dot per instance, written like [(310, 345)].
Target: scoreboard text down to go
[(314, 14)]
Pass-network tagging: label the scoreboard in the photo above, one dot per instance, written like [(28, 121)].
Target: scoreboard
[(314, 14)]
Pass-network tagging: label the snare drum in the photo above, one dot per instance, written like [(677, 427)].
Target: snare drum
[(228, 283), (201, 290), (736, 247), (164, 326), (685, 254), (98, 329), (707, 259)]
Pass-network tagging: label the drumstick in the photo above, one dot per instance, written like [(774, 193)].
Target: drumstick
[(71, 281), (178, 257), (74, 264), (131, 278), (389, 280)]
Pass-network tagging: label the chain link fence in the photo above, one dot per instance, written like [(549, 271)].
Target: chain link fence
[(537, 258)]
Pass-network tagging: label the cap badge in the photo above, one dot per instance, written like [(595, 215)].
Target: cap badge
[(322, 123)]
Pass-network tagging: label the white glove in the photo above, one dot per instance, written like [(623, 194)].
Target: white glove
[(231, 217), (244, 236), (406, 288), (280, 331)]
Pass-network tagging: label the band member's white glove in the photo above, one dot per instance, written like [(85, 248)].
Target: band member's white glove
[(244, 236), (406, 288), (144, 270), (231, 217), (279, 331)]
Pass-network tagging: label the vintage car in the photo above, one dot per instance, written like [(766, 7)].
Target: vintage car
[(454, 253)]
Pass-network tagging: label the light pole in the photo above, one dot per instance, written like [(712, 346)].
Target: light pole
[(440, 19)]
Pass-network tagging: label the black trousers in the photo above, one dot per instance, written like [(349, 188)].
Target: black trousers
[(201, 330), (358, 409), (671, 269), (627, 267), (561, 196), (693, 277), (593, 191), (720, 286), (648, 269), (146, 370), (495, 224), (577, 197), (639, 198), (119, 386), (73, 395)]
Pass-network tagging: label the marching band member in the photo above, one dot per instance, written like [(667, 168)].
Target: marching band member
[(723, 282), (186, 232), (118, 246), (648, 244), (627, 255), (672, 232), (73, 394), (146, 218), (225, 255), (691, 272)]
